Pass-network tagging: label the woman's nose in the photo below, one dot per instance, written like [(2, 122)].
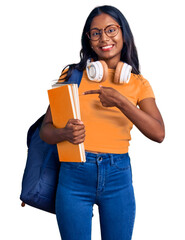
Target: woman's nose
[(104, 37)]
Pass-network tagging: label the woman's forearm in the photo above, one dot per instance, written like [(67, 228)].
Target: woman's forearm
[(51, 134), (150, 126), (73, 132)]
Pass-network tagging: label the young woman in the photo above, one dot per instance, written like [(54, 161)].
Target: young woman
[(108, 112)]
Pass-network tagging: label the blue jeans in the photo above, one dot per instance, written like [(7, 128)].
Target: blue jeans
[(104, 179)]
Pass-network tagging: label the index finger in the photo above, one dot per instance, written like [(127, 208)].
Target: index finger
[(92, 92)]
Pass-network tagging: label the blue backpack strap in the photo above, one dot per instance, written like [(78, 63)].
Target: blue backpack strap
[(75, 77)]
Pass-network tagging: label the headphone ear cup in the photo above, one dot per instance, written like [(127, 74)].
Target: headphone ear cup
[(117, 73), (122, 73), (105, 70), (97, 71)]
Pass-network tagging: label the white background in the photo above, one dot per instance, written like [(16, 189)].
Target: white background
[(38, 38)]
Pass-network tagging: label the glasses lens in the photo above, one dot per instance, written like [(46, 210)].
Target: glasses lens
[(94, 34), (112, 30)]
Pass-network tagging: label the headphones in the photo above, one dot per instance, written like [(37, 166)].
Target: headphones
[(98, 72)]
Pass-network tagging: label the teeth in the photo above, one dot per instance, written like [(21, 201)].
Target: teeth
[(107, 47)]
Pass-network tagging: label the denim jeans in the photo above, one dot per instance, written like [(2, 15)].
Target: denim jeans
[(104, 179)]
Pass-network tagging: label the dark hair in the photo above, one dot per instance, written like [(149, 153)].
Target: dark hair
[(129, 51)]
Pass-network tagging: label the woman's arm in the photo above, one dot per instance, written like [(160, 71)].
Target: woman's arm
[(147, 118), (74, 131)]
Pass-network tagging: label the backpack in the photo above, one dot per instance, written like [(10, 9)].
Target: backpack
[(40, 177)]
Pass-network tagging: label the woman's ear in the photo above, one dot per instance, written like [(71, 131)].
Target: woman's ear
[(90, 44)]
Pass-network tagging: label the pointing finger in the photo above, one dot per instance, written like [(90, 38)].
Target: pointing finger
[(92, 92)]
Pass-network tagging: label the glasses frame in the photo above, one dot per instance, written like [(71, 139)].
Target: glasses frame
[(103, 29)]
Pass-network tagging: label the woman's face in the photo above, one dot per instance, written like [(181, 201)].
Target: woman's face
[(107, 48)]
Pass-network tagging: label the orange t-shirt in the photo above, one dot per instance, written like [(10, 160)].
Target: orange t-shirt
[(107, 128)]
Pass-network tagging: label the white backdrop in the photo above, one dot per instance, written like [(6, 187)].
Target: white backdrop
[(33, 51)]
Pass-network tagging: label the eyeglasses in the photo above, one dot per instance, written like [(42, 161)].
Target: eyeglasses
[(111, 31)]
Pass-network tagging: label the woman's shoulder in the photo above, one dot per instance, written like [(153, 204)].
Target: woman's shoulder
[(138, 79), (70, 76), (143, 86)]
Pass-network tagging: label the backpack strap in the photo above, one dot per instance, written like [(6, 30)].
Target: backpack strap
[(76, 77)]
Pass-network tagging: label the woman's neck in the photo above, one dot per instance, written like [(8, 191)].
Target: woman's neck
[(111, 63)]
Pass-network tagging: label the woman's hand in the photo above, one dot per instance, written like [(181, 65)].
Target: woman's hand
[(109, 97), (74, 131)]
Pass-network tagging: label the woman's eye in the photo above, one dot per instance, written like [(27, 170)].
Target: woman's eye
[(95, 33), (110, 30)]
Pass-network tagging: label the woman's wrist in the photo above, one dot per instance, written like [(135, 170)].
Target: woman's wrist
[(121, 102), (60, 134)]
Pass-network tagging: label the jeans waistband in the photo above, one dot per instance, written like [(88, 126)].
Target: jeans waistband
[(93, 157)]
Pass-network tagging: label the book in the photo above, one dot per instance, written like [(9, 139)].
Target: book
[(64, 105)]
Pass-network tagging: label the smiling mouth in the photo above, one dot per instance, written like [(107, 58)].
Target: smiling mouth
[(107, 48)]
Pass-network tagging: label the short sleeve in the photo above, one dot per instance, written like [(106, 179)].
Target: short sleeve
[(145, 90)]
